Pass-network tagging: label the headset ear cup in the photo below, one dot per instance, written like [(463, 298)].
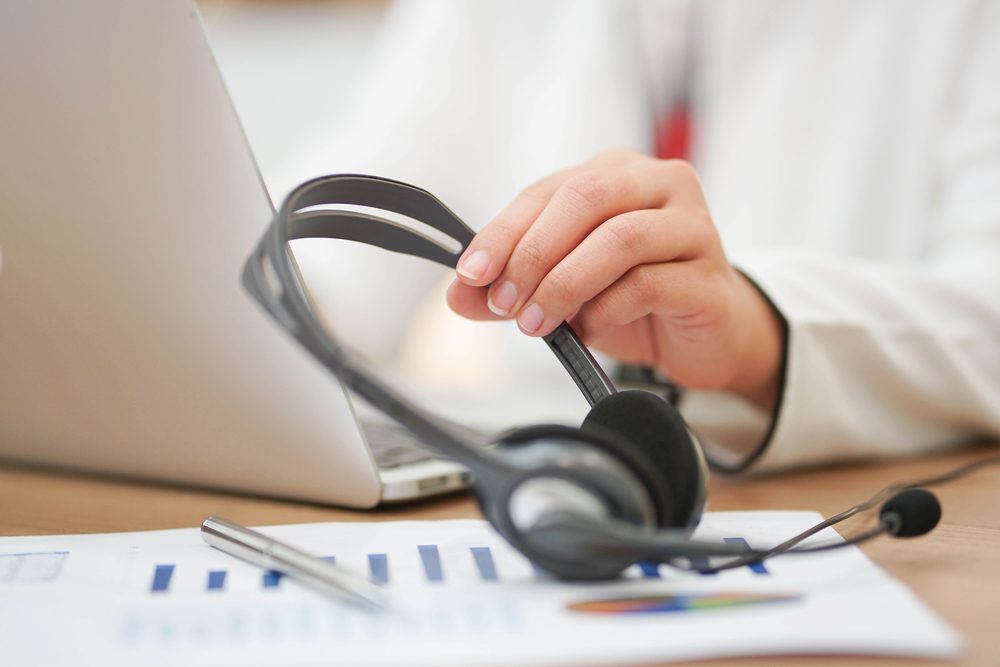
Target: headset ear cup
[(655, 485), (658, 431), (555, 543)]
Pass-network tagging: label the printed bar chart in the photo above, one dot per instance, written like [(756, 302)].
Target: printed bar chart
[(432, 568), (378, 568), (456, 593)]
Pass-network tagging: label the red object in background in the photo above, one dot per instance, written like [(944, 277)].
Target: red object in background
[(673, 134)]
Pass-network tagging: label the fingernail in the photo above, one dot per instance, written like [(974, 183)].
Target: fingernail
[(474, 266), (531, 318), (503, 298)]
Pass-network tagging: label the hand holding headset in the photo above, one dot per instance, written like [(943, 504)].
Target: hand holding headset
[(629, 485)]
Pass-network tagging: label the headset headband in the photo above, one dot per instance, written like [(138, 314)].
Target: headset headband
[(272, 277), (295, 220)]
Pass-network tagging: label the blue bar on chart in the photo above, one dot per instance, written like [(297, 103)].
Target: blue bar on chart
[(161, 578), (741, 542), (271, 579), (378, 566), (650, 570), (431, 559), (216, 580), (484, 563)]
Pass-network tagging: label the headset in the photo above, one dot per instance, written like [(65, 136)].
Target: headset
[(628, 486)]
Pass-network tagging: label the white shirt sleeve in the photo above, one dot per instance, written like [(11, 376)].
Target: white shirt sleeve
[(892, 357)]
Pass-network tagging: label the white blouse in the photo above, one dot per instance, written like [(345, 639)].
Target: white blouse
[(850, 152)]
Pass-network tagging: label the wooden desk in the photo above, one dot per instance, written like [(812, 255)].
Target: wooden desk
[(955, 569)]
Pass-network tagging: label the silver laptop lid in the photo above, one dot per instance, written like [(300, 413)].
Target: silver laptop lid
[(130, 201)]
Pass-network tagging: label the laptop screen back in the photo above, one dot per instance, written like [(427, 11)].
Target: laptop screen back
[(130, 200)]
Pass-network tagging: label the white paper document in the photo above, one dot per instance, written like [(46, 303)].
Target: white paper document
[(459, 595)]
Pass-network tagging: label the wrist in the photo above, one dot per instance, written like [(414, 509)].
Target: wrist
[(761, 348)]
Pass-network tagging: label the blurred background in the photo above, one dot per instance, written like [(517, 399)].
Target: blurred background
[(297, 71), (833, 141), (289, 65)]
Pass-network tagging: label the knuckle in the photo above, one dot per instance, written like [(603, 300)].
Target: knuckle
[(679, 168), (628, 186), (702, 219), (597, 315), (703, 233), (618, 155), (599, 189), (537, 191), (642, 284), (586, 191), (695, 226), (626, 234), (559, 289), (530, 256), (503, 227), (500, 236)]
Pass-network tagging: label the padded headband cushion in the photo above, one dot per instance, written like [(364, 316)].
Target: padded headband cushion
[(658, 430), (646, 470)]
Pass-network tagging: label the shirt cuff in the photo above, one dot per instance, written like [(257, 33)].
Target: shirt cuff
[(735, 434)]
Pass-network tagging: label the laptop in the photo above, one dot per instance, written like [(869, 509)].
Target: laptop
[(130, 200)]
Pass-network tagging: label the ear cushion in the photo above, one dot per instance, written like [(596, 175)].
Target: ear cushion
[(659, 432), (646, 470)]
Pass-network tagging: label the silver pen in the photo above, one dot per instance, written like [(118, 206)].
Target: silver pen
[(268, 553)]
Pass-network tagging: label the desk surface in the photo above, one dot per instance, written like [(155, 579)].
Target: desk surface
[(955, 569)]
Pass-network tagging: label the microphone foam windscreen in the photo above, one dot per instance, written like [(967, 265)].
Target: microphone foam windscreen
[(917, 511)]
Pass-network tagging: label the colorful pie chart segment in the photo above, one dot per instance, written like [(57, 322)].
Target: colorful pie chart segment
[(658, 604)]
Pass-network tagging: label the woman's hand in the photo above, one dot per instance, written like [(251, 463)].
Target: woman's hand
[(624, 248)]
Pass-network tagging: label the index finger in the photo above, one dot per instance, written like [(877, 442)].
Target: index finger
[(582, 204), (483, 260), (486, 255)]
